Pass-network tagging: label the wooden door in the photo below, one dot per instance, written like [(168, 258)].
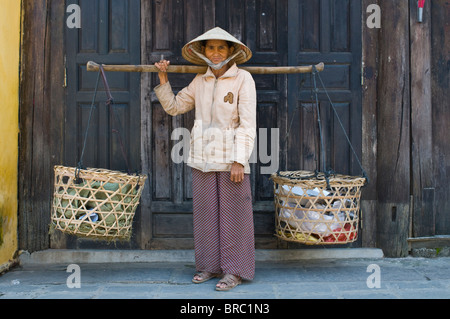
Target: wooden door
[(168, 25), (279, 33), (109, 34), (330, 32)]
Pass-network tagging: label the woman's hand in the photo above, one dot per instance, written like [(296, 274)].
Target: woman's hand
[(162, 67), (237, 172)]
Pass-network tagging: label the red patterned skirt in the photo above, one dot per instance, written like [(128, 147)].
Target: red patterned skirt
[(223, 224)]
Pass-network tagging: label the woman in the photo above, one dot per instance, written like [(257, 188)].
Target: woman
[(224, 99)]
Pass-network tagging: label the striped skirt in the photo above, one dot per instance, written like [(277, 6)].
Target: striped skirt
[(223, 224)]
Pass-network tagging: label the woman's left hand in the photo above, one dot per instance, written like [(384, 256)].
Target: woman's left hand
[(237, 172)]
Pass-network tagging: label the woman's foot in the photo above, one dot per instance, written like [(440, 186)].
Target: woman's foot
[(203, 276), (228, 282)]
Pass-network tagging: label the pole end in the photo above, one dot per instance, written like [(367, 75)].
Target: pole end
[(320, 67), (92, 66)]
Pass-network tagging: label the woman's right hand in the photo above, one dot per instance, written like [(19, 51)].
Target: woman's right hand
[(162, 67)]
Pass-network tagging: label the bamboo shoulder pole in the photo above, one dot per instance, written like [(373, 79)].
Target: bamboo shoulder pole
[(92, 66)]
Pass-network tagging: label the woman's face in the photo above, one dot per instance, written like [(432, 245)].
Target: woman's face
[(217, 50)]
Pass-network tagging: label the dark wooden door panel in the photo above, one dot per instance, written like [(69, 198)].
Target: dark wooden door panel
[(109, 34), (329, 32)]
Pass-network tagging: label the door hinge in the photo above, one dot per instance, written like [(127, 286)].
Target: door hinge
[(65, 78), (362, 73)]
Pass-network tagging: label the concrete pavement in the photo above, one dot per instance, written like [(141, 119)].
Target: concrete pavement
[(300, 274)]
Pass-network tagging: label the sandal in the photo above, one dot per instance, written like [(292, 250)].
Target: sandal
[(230, 282), (203, 276)]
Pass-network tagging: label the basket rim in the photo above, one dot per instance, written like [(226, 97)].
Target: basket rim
[(96, 173), (305, 176), (315, 243)]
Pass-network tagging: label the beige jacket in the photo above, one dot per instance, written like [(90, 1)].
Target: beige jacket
[(225, 118)]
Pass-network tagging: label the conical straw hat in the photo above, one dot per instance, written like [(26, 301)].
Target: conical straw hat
[(215, 34)]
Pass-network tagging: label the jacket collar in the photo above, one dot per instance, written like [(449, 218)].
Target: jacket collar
[(231, 72)]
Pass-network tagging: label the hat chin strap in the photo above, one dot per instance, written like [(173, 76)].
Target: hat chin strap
[(220, 65)]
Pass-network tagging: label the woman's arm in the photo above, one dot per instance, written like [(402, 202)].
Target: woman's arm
[(183, 102), (246, 132)]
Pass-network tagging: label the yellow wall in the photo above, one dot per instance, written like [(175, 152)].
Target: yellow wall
[(9, 126)]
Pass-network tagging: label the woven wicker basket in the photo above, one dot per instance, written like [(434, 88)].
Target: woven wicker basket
[(100, 204), (307, 212)]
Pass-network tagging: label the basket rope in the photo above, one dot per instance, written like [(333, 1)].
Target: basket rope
[(109, 102), (80, 162), (96, 203), (364, 174), (314, 97), (319, 207)]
